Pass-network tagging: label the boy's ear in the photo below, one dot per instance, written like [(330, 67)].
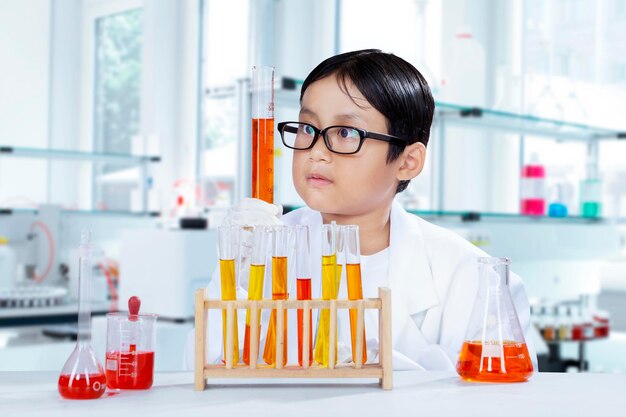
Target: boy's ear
[(411, 161)]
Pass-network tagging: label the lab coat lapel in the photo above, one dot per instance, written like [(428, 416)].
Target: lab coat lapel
[(410, 280)]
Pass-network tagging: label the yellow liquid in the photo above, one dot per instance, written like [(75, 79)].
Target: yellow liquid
[(331, 273), (255, 292), (355, 292), (229, 292), (279, 292)]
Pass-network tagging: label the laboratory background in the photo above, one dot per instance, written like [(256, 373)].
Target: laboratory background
[(131, 119)]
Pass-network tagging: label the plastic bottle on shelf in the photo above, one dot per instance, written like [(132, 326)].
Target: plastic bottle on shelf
[(532, 202), (558, 207), (591, 192), (565, 323), (602, 323)]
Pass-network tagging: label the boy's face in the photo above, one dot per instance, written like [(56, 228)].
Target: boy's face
[(345, 185)]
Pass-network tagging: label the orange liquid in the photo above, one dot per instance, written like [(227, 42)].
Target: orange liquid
[(263, 159), (355, 292), (304, 293), (82, 386), (516, 366), (279, 292), (229, 292), (255, 292)]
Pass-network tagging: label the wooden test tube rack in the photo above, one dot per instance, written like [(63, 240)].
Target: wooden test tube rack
[(381, 370)]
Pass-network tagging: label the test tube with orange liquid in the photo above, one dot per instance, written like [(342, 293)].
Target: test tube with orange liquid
[(331, 274), (260, 238), (263, 133), (280, 236), (494, 349), (303, 287), (228, 243), (355, 286)]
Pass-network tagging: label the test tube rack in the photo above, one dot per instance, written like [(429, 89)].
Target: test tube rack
[(381, 370)]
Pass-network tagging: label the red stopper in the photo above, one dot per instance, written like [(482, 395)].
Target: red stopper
[(133, 308)]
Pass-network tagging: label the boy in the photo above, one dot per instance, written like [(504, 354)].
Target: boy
[(361, 137)]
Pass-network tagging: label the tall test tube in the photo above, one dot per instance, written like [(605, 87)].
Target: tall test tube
[(263, 133)]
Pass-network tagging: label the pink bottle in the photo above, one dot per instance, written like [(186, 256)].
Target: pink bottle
[(533, 202)]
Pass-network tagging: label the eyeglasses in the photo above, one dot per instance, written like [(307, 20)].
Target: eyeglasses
[(344, 140)]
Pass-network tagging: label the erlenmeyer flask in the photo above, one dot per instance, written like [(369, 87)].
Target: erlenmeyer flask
[(82, 377), (494, 349)]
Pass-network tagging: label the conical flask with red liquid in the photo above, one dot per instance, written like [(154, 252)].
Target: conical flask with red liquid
[(494, 349), (82, 377)]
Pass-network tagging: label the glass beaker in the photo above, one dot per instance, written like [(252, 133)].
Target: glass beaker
[(82, 376), (263, 133), (130, 348), (494, 349)]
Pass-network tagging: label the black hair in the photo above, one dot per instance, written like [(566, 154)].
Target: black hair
[(393, 86)]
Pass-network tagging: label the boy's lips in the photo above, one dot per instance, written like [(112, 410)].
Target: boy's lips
[(318, 179)]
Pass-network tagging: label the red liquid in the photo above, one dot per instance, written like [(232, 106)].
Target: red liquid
[(533, 207), (246, 345), (304, 293), (517, 364), (129, 370), (263, 159), (82, 386)]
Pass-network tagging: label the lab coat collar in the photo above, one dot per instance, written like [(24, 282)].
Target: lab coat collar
[(410, 275)]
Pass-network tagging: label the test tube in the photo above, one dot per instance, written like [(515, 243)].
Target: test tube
[(303, 285), (228, 242), (263, 133), (280, 248), (330, 285), (355, 286), (255, 286)]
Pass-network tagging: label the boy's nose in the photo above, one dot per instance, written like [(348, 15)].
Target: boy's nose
[(319, 151)]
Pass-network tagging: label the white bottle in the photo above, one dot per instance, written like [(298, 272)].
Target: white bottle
[(7, 264), (465, 79)]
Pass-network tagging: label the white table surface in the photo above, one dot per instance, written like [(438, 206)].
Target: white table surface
[(415, 394)]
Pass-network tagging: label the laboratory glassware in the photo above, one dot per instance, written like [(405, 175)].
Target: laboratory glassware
[(331, 273), (82, 376), (533, 202), (494, 349), (260, 238), (355, 286), (281, 242), (263, 133), (228, 246), (303, 286), (130, 348)]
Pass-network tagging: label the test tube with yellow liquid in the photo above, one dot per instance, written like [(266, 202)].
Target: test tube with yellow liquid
[(228, 243), (355, 286), (331, 274), (260, 238), (281, 240)]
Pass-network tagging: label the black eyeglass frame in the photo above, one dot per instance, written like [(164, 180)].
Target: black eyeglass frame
[(363, 134)]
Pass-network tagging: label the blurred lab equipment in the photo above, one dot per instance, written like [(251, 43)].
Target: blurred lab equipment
[(263, 133), (8, 266), (130, 348), (163, 267), (82, 376), (494, 349), (532, 191)]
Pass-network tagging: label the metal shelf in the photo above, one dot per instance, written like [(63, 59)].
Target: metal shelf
[(117, 158), (112, 213)]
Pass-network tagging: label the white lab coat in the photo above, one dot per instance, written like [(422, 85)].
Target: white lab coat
[(433, 276)]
